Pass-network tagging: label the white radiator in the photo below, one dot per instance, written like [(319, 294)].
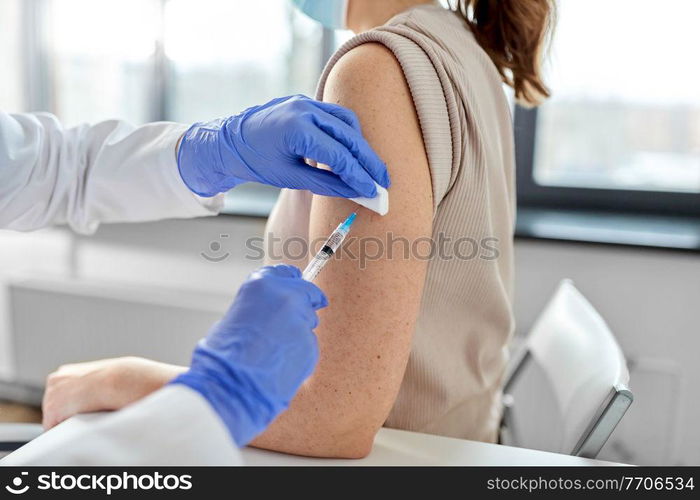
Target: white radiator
[(53, 322)]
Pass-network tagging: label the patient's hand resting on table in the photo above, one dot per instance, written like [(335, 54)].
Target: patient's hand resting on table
[(108, 384)]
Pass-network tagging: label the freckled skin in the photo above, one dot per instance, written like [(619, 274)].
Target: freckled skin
[(365, 334)]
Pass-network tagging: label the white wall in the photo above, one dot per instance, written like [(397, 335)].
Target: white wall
[(143, 257), (650, 298), (651, 301)]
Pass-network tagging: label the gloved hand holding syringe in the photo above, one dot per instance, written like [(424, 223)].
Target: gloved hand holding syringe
[(248, 318)]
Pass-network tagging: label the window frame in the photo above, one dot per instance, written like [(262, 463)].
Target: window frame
[(533, 195)]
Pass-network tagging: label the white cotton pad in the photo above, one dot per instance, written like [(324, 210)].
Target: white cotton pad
[(379, 203)]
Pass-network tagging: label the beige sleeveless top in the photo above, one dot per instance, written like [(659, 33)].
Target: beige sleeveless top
[(452, 383)]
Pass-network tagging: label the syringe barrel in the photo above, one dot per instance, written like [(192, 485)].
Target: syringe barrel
[(315, 266), (329, 248)]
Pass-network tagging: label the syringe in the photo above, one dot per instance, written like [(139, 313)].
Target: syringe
[(329, 248)]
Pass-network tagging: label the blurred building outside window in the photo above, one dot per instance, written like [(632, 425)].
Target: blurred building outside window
[(625, 110)]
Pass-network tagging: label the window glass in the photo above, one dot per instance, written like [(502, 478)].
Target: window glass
[(101, 56), (145, 60), (625, 111), (11, 96), (225, 56)]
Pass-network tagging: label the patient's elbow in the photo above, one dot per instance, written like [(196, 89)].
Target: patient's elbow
[(356, 446), (333, 441)]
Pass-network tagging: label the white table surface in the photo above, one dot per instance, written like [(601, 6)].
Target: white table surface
[(394, 447)]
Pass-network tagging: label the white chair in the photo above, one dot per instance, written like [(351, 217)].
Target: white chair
[(568, 388)]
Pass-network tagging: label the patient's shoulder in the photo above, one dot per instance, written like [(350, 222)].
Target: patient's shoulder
[(369, 80), (369, 72)]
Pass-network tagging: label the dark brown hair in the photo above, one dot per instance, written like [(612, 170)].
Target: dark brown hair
[(515, 34)]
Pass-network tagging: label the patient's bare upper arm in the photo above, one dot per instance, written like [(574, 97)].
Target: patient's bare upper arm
[(365, 334)]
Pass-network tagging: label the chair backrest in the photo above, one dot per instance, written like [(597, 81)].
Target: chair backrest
[(585, 371)]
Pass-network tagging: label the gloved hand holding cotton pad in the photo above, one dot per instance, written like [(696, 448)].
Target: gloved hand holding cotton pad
[(378, 204)]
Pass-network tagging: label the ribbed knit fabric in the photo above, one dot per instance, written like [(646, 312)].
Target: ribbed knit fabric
[(452, 383)]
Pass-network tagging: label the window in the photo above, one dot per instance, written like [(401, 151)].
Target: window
[(11, 95), (223, 56), (226, 56), (151, 60), (622, 129), (100, 58), (179, 60)]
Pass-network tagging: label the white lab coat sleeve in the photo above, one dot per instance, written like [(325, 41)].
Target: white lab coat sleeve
[(173, 426), (86, 175)]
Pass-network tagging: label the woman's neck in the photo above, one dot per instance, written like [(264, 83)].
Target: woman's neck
[(364, 15)]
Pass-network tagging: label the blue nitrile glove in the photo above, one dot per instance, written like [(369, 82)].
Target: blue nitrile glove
[(268, 144), (254, 360)]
